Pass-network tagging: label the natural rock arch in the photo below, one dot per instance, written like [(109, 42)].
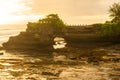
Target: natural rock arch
[(38, 35)]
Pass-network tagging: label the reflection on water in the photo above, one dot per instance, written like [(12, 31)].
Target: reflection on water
[(18, 66)]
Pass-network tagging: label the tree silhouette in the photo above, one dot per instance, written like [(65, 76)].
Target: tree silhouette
[(115, 12)]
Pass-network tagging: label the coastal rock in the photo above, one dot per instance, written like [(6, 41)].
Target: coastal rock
[(38, 36), (83, 73), (1, 48)]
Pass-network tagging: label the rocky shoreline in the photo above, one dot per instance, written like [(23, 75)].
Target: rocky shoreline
[(45, 67)]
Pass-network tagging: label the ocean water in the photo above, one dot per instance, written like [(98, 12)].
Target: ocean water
[(10, 30)]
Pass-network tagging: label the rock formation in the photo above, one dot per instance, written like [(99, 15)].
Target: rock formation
[(38, 35)]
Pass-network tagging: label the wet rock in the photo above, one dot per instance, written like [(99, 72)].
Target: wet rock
[(83, 73), (57, 57), (1, 48), (1, 66), (16, 73), (97, 55), (51, 73), (73, 56), (48, 73), (35, 77), (1, 53)]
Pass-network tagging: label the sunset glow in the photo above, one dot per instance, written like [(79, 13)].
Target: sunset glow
[(13, 12), (59, 39), (79, 12)]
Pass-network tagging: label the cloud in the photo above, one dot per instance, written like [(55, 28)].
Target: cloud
[(13, 6), (74, 8), (71, 11), (71, 7), (11, 10)]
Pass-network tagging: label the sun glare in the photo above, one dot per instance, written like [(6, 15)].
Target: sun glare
[(10, 10)]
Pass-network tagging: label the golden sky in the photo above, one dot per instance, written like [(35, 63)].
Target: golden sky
[(71, 11)]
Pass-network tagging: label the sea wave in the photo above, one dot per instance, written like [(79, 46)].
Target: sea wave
[(8, 31)]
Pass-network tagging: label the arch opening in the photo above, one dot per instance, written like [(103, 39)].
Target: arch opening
[(59, 43)]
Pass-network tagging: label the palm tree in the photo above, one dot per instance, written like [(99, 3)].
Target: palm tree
[(115, 12)]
